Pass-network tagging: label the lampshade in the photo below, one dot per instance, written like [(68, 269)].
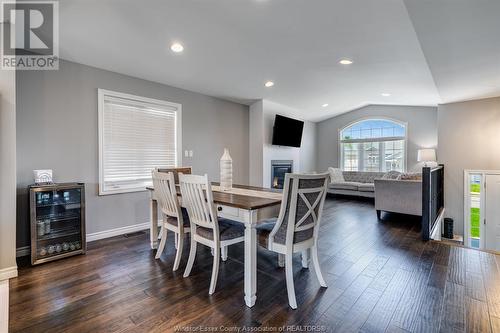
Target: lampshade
[(426, 155)]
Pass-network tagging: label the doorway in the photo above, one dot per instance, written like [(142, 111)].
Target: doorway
[(482, 209)]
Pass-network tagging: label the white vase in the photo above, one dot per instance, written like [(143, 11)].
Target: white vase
[(226, 171)]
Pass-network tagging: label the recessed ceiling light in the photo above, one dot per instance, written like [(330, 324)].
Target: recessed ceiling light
[(269, 84), (345, 62), (177, 47), (385, 94), (324, 105)]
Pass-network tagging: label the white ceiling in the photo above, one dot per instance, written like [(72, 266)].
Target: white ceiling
[(461, 42), (423, 52)]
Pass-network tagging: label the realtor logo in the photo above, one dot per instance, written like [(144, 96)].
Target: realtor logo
[(30, 35)]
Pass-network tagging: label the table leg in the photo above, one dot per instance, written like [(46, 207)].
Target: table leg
[(153, 214), (251, 259)]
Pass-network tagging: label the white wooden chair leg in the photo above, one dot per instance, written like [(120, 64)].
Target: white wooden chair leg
[(281, 260), (224, 253), (215, 271), (160, 234), (289, 281), (192, 255), (176, 240), (163, 240), (178, 255), (314, 255), (305, 258)]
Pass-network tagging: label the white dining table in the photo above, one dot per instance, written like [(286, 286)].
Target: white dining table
[(245, 204)]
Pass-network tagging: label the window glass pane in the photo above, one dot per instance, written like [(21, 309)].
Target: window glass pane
[(371, 153), (387, 132), (376, 132), (350, 153), (399, 131), (373, 128), (348, 133), (365, 133), (475, 210), (394, 155)]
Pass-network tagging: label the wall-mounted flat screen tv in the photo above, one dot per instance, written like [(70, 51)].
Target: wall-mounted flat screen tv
[(287, 131)]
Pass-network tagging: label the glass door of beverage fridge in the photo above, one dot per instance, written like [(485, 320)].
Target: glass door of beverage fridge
[(57, 221)]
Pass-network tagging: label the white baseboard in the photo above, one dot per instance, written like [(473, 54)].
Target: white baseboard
[(117, 231), (8, 273), (26, 250), (4, 306)]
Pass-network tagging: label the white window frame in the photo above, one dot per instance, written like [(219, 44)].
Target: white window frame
[(101, 94), (482, 208), (361, 160)]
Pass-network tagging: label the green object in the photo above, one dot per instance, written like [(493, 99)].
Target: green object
[(475, 216), (475, 188)]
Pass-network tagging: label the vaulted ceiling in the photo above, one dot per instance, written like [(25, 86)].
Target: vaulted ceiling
[(421, 52)]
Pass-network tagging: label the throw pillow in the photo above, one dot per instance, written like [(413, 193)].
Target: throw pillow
[(411, 176), (336, 175), (393, 175)]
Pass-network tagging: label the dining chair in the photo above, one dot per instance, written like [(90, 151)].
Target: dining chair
[(206, 227), (175, 218), (176, 171), (185, 170), (297, 227)]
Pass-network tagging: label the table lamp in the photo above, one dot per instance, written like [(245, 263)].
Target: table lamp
[(428, 156)]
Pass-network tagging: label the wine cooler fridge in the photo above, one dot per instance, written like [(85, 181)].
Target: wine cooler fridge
[(57, 214)]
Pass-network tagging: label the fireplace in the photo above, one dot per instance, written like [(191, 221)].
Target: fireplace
[(278, 171)]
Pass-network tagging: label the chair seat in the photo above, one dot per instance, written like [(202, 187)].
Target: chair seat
[(265, 228), (228, 229), (263, 231), (185, 217)]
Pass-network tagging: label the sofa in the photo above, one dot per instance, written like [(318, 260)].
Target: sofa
[(398, 196), (393, 191), (355, 183)]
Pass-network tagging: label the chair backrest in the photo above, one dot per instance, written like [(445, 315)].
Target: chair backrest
[(301, 209), (198, 199), (166, 194), (177, 171)]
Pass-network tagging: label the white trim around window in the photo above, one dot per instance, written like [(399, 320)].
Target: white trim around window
[(382, 139), (127, 149)]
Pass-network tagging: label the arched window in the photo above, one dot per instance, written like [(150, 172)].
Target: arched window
[(373, 145)]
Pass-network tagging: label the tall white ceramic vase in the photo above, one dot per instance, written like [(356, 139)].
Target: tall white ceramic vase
[(226, 171)]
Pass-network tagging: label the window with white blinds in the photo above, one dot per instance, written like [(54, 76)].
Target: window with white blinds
[(136, 135)]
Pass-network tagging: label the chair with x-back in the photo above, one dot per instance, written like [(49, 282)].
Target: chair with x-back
[(297, 227)]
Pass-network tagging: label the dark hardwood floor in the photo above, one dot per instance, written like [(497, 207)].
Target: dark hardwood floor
[(381, 277)]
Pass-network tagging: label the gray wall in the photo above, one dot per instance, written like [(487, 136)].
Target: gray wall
[(308, 148), (8, 173), (422, 131), (57, 129), (262, 152), (469, 138), (256, 142)]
